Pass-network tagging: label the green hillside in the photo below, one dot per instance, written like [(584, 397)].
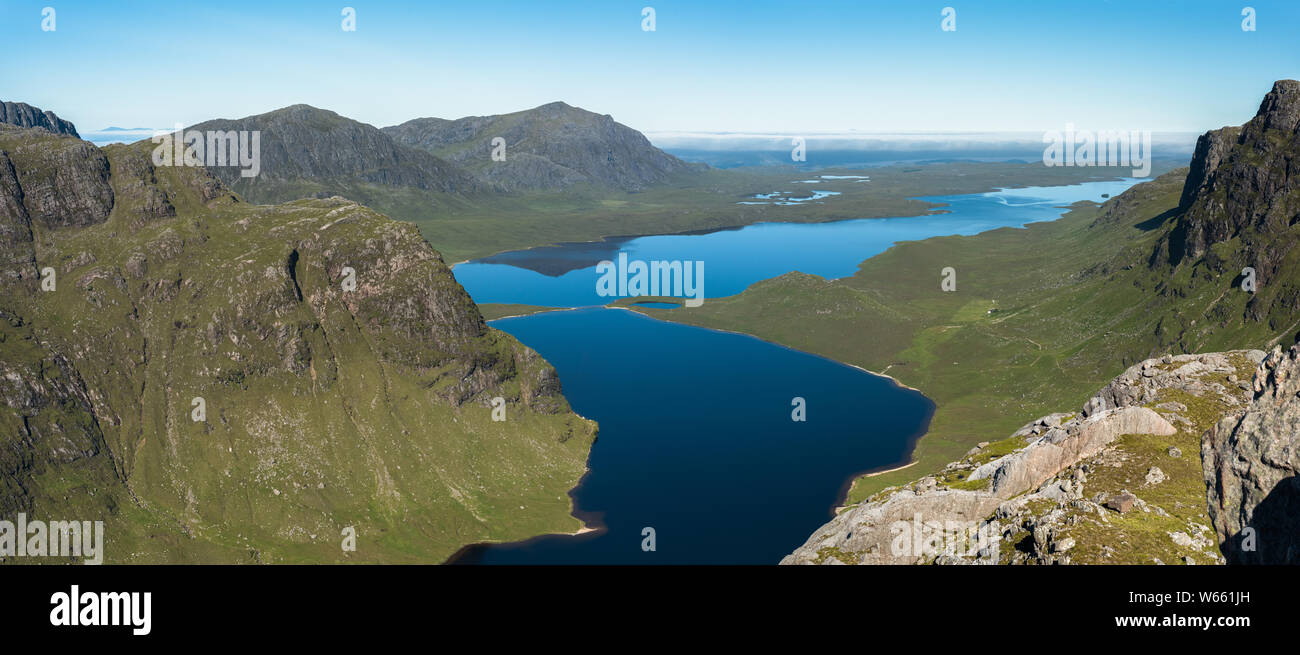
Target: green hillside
[(326, 407)]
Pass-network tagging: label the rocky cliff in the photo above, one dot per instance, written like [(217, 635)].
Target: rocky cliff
[(21, 114), (548, 147), (226, 382), (1241, 203), (1252, 468)]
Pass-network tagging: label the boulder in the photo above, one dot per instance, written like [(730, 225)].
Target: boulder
[(1121, 502)]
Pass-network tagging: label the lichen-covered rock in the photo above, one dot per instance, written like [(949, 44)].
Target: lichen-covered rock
[(1141, 383), (866, 534), (1023, 499), (1252, 468), (1040, 461)]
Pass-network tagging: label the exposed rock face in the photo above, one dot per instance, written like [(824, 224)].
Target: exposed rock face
[(549, 147), (51, 181), (1141, 383), (866, 534), (997, 497), (1244, 182), (1252, 468), (61, 181), (301, 142), (1044, 458), (25, 115)]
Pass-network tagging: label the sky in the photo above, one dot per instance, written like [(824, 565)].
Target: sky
[(709, 66)]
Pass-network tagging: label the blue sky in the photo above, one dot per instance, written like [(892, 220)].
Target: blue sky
[(752, 66)]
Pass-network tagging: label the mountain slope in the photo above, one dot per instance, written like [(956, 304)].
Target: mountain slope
[(548, 147), (307, 152), (325, 407)]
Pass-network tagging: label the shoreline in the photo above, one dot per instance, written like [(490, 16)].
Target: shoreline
[(590, 525), (938, 208), (896, 468)]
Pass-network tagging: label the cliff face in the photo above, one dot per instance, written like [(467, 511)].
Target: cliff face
[(226, 382), (1241, 203), (1252, 468), (21, 114), (548, 147)]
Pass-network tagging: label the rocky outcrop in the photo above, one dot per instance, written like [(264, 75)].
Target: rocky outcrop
[(22, 114), (1143, 382), (50, 182), (1252, 468), (994, 498), (61, 181), (548, 147), (1060, 447)]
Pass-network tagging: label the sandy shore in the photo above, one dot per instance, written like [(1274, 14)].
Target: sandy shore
[(896, 468)]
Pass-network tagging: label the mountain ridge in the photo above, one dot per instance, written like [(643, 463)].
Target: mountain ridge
[(551, 146), (302, 142)]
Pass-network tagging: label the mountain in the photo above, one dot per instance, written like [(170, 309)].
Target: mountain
[(221, 381), (549, 147), (25, 115), (307, 151)]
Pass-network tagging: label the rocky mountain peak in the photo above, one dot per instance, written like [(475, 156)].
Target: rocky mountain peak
[(1243, 183), (302, 142), (25, 115), (1280, 109)]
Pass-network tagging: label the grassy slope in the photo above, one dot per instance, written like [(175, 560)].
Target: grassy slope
[(361, 437), (1074, 305)]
